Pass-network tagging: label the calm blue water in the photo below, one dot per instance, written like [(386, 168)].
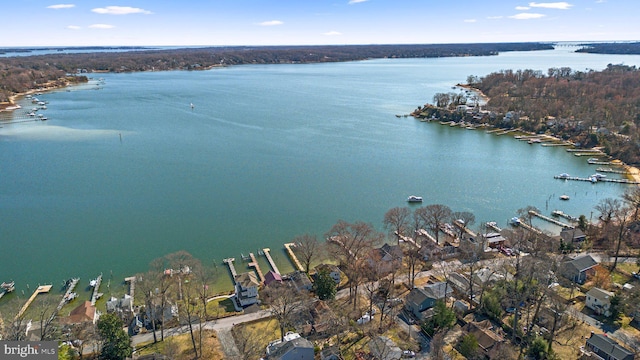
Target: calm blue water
[(125, 171)]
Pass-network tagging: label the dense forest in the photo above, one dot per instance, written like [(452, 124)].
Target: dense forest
[(19, 74), (612, 48), (592, 108)]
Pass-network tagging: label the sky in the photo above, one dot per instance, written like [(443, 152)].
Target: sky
[(311, 22)]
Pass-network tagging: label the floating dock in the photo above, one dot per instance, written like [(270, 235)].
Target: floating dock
[(254, 264), (553, 221), (232, 269), (293, 256), (267, 254), (96, 295), (42, 289), (67, 295)]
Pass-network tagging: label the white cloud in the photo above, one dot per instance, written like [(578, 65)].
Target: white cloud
[(332, 33), (526, 16), (522, 8), (101, 26), (470, 20), (120, 10), (271, 23), (60, 6), (552, 5), (357, 1), (73, 27)]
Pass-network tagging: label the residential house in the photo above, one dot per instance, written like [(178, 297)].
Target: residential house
[(322, 317), (599, 301), (386, 258), (272, 277), (330, 353), (420, 300), (293, 347), (486, 276), (331, 269), (572, 236), (606, 348), (123, 305), (459, 283), (383, 348), (246, 290), (301, 281), (577, 269), (484, 333), (84, 312)]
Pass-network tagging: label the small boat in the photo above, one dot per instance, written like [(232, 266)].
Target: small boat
[(515, 221), (93, 283), (564, 197), (599, 176), (8, 286), (414, 198), (557, 213), (534, 141), (563, 176)]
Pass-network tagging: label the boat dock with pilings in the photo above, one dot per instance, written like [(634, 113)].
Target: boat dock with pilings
[(553, 221), (594, 180), (494, 226), (95, 295), (293, 256), (69, 294), (42, 289), (232, 269), (254, 264), (267, 254), (609, 170)]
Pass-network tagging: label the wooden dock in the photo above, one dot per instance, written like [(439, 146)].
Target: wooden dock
[(553, 221), (530, 228), (254, 264), (267, 254), (425, 233), (95, 295), (42, 289), (492, 225), (232, 269), (464, 228), (132, 285), (597, 180), (67, 295), (293, 256), (609, 170), (407, 240)]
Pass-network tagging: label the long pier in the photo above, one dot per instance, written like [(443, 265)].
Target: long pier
[(267, 254), (426, 234), (96, 295), (42, 289), (595, 180), (553, 221), (232, 269), (254, 264), (530, 228), (67, 295), (293, 256), (407, 240), (609, 170)]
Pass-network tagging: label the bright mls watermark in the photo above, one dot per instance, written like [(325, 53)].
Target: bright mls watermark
[(43, 350)]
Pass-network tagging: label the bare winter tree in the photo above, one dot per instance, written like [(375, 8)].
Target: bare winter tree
[(308, 248), (464, 219), (435, 216), (248, 342), (607, 209), (284, 303), (47, 316), (350, 243), (397, 221)]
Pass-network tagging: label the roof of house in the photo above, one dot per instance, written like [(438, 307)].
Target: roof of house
[(384, 348), (582, 263), (601, 295), (437, 290), (279, 350), (393, 251), (84, 312), (272, 277), (571, 234), (482, 332), (301, 280), (329, 267), (609, 346), (247, 280)]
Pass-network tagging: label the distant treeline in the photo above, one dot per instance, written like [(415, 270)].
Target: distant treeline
[(589, 108), (21, 73), (612, 48)]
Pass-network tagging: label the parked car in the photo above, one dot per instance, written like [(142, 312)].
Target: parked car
[(408, 354), (636, 275)]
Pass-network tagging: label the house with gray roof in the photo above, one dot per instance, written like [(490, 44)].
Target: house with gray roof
[(420, 300), (246, 289), (577, 269), (606, 348), (599, 301)]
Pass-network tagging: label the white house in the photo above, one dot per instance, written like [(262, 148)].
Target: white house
[(247, 289), (599, 301)]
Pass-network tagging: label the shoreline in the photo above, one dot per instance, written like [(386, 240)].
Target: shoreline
[(48, 86)]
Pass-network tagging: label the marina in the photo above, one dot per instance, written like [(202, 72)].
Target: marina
[(595, 179)]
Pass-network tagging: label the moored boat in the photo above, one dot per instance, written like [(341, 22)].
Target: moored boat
[(414, 198)]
